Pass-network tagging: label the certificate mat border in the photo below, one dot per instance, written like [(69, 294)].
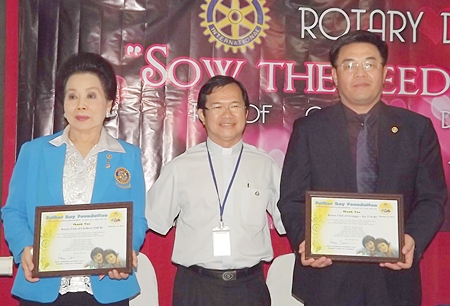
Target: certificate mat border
[(348, 195), (64, 208)]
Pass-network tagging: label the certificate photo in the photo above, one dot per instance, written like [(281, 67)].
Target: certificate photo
[(82, 239), (354, 226)]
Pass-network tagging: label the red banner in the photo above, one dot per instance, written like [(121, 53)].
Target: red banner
[(163, 51)]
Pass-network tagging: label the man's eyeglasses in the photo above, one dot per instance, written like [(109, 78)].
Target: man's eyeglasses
[(352, 66), (219, 108)]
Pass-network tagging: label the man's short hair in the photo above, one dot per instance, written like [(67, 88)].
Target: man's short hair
[(216, 82), (360, 36)]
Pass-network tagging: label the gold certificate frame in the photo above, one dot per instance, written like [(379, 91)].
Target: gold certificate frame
[(82, 239), (354, 227)]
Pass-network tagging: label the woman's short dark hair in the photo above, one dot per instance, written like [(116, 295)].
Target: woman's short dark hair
[(95, 251), (360, 36), (217, 82), (85, 62)]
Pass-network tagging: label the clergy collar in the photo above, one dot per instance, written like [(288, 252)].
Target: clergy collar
[(215, 149)]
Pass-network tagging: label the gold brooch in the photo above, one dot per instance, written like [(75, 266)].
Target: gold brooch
[(123, 177)]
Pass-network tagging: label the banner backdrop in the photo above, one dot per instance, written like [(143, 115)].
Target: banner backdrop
[(164, 50)]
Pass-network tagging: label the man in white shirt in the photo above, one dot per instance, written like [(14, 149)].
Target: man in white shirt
[(219, 191)]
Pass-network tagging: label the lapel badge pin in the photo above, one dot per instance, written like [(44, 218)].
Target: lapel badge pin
[(123, 177), (394, 129), (108, 160)]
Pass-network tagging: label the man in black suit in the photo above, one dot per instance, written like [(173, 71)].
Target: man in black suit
[(322, 156)]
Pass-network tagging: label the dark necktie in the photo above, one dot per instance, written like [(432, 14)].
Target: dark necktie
[(366, 159)]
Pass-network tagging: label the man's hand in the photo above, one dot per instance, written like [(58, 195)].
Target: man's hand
[(113, 274), (408, 251), (321, 262), (26, 261)]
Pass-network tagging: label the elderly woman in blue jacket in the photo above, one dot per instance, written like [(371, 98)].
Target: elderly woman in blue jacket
[(75, 166)]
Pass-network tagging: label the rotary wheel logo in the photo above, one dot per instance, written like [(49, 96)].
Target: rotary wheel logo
[(235, 26)]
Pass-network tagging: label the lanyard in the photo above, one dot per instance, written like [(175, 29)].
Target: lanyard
[(222, 205)]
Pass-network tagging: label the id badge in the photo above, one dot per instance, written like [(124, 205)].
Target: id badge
[(221, 241)]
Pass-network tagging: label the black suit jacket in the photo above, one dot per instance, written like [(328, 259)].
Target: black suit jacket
[(318, 158)]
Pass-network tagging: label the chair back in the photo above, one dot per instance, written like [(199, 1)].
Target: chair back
[(146, 276), (279, 281)]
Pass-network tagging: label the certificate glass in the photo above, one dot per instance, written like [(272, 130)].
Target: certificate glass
[(354, 226), (82, 239)]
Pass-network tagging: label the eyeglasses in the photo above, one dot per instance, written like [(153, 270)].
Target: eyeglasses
[(352, 66), (234, 108)]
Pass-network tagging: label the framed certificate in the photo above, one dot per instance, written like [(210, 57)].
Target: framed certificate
[(354, 226), (82, 239)]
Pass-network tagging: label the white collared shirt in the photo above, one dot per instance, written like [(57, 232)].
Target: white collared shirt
[(78, 185), (185, 188)]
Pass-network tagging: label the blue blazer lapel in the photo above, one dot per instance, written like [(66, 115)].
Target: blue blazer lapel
[(389, 145), (106, 166), (54, 164)]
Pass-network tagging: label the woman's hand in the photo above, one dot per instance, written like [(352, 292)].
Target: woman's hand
[(26, 261)]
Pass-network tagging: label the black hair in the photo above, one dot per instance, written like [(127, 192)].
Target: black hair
[(367, 239), (217, 82), (95, 251), (86, 62), (359, 36), (381, 240), (109, 251)]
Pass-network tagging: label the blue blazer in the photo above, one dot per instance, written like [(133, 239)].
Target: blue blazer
[(37, 181)]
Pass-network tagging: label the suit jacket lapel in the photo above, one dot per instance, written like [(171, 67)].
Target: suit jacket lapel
[(54, 164), (337, 136), (389, 147), (106, 166)]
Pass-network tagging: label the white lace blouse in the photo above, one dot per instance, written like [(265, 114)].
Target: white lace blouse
[(78, 184)]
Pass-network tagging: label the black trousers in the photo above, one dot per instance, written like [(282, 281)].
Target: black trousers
[(357, 284), (74, 299), (194, 289)]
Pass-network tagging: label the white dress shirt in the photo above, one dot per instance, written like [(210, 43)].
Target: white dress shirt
[(185, 188)]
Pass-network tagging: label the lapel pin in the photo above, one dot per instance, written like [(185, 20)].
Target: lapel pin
[(394, 129), (108, 160)]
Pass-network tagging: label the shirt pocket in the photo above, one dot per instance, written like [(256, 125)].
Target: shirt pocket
[(253, 206)]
